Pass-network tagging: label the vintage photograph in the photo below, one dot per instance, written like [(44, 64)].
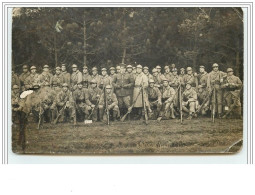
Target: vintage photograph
[(127, 80)]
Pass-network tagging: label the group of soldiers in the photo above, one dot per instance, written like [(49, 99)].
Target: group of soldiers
[(127, 91)]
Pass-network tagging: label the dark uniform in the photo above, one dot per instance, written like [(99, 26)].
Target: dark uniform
[(23, 77), (45, 77), (32, 78), (154, 97), (189, 100), (66, 77)]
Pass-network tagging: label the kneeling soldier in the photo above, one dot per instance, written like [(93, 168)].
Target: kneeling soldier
[(154, 96), (108, 99), (168, 94), (189, 100), (203, 100)]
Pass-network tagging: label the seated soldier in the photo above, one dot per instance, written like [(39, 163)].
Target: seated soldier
[(189, 100), (92, 97), (168, 94), (63, 104), (110, 99), (154, 97), (203, 100)]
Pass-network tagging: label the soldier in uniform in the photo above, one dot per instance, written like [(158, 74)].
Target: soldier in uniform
[(15, 102), (64, 103), (232, 87), (57, 80), (147, 73), (158, 79), (123, 84), (95, 76), (66, 77), (117, 69), (190, 78), (167, 74), (202, 95), (154, 97), (86, 78), (15, 80), (189, 100), (105, 79), (175, 82), (32, 78), (76, 77), (214, 81), (168, 94), (182, 73), (202, 77), (158, 67), (112, 72), (134, 71), (45, 77), (92, 97), (23, 77), (112, 103)]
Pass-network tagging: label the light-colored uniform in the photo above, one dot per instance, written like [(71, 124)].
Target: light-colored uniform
[(141, 80)]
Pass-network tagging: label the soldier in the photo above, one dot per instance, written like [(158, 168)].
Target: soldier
[(146, 72), (15, 102), (64, 104), (57, 80), (167, 73), (182, 73), (92, 97), (66, 77), (232, 86), (117, 69), (168, 94), (112, 72), (86, 78), (158, 79), (189, 100), (173, 67), (214, 81), (110, 98), (123, 84), (23, 77), (134, 72), (202, 96), (141, 81), (129, 69), (158, 67), (154, 97), (189, 78), (32, 78), (202, 77), (105, 79), (175, 82), (15, 80), (95, 76), (45, 77), (76, 77), (79, 96)]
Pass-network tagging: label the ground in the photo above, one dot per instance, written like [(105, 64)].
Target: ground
[(134, 137)]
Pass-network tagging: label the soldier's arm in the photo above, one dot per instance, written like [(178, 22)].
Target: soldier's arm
[(115, 100), (159, 95), (101, 100), (87, 96), (172, 94)]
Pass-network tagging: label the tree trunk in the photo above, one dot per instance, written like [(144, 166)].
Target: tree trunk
[(55, 49), (124, 44), (84, 42)]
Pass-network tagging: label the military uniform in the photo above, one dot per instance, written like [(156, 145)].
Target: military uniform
[(31, 79), (140, 80), (76, 78), (175, 82), (56, 82), (189, 79), (154, 97), (15, 100), (105, 80), (22, 79), (86, 78), (45, 78), (79, 96), (97, 78), (66, 77), (168, 76), (202, 96), (159, 80), (15, 80), (189, 100)]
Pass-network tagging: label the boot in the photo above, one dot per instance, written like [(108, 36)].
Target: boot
[(172, 113)]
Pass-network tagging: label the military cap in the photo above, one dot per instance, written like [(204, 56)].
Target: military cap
[(58, 68), (182, 69), (85, 67), (94, 68), (151, 81), (63, 64), (93, 81), (32, 67), (158, 67), (174, 69), (112, 68), (103, 69), (189, 68), (25, 66), (146, 67), (118, 67), (154, 70), (74, 66), (15, 87), (139, 66), (108, 86), (166, 67), (230, 70), (65, 85), (129, 66), (215, 65), (165, 79), (46, 66), (202, 67)]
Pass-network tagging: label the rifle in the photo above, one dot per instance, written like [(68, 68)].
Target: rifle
[(40, 116), (106, 108), (60, 113), (180, 100), (214, 102), (144, 106)]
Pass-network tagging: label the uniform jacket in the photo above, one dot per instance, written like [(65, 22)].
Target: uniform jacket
[(189, 95), (105, 80), (79, 95), (57, 80), (123, 84), (215, 78), (233, 85), (141, 79), (175, 81), (168, 94), (63, 97), (168, 76), (92, 95), (97, 78), (202, 79), (76, 78), (86, 78), (15, 79), (45, 78), (23, 77), (111, 99), (191, 79), (154, 93), (158, 80), (66, 77), (149, 76)]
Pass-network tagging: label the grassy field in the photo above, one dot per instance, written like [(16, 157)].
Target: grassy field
[(134, 137)]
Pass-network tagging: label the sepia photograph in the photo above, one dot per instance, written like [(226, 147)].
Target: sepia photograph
[(127, 80)]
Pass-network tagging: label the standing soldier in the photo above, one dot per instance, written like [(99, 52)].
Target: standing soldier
[(76, 77), (182, 73), (232, 86), (168, 94), (158, 79), (189, 100), (31, 79), (154, 97), (117, 69), (57, 80), (202, 77), (92, 97), (95, 76), (214, 82), (112, 72), (189, 78), (141, 82), (167, 73), (175, 82), (86, 78), (45, 77), (134, 72), (15, 79), (123, 84), (79, 96), (111, 101), (105, 79), (173, 67), (146, 72), (158, 67), (66, 77), (23, 77)]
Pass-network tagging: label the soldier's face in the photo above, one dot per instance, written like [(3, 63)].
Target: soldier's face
[(230, 73), (65, 89), (165, 83), (200, 90), (182, 72), (94, 72), (46, 70), (104, 72), (129, 70), (58, 72), (112, 71), (159, 70), (85, 70), (151, 85), (74, 69), (108, 90), (216, 68), (80, 86), (189, 72), (25, 70), (201, 70), (33, 71), (174, 73), (188, 87), (145, 71), (134, 71), (138, 70), (167, 70), (63, 68), (155, 73)]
